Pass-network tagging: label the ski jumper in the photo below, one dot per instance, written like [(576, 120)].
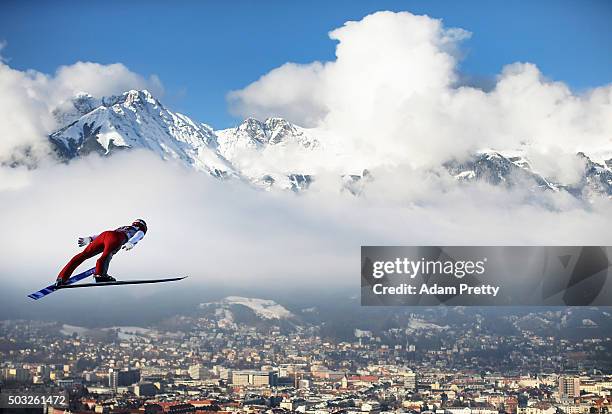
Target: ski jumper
[(108, 243)]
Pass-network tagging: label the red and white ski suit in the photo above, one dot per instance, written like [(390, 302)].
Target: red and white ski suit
[(108, 243)]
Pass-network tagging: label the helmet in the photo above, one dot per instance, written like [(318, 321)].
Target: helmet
[(140, 224)]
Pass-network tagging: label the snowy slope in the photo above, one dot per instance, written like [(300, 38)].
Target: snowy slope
[(596, 180), (264, 308), (249, 145), (513, 168), (79, 105), (136, 119), (70, 330), (497, 169), (415, 324), (234, 311), (261, 136)]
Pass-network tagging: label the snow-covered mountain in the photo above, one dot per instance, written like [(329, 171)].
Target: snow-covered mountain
[(256, 135), (264, 308), (255, 151), (511, 168), (237, 310), (136, 119), (257, 140), (498, 169), (596, 180)]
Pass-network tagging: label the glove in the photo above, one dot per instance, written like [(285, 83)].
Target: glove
[(128, 246), (84, 241)]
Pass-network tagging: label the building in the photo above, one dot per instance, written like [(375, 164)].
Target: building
[(43, 371), (198, 372), (90, 377), (169, 407), (144, 389), (15, 374), (370, 407), (254, 378), (538, 408), (122, 378), (344, 383), (569, 388), (240, 378), (410, 381)]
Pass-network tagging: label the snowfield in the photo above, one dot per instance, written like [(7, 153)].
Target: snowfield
[(264, 308), (420, 324), (70, 330)]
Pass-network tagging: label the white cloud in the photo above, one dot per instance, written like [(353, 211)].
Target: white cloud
[(227, 232), (549, 159), (27, 99), (391, 97), (99, 80), (284, 92)]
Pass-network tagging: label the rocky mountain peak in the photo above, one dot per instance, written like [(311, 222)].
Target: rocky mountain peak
[(136, 119)]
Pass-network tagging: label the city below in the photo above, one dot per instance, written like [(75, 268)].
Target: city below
[(252, 356)]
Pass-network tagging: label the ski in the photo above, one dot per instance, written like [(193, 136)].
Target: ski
[(123, 282), (51, 288)]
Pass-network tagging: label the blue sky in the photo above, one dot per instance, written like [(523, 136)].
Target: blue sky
[(201, 50)]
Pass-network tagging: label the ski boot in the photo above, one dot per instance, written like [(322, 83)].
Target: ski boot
[(104, 278)]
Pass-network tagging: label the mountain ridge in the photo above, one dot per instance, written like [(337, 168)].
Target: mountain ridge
[(136, 119)]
